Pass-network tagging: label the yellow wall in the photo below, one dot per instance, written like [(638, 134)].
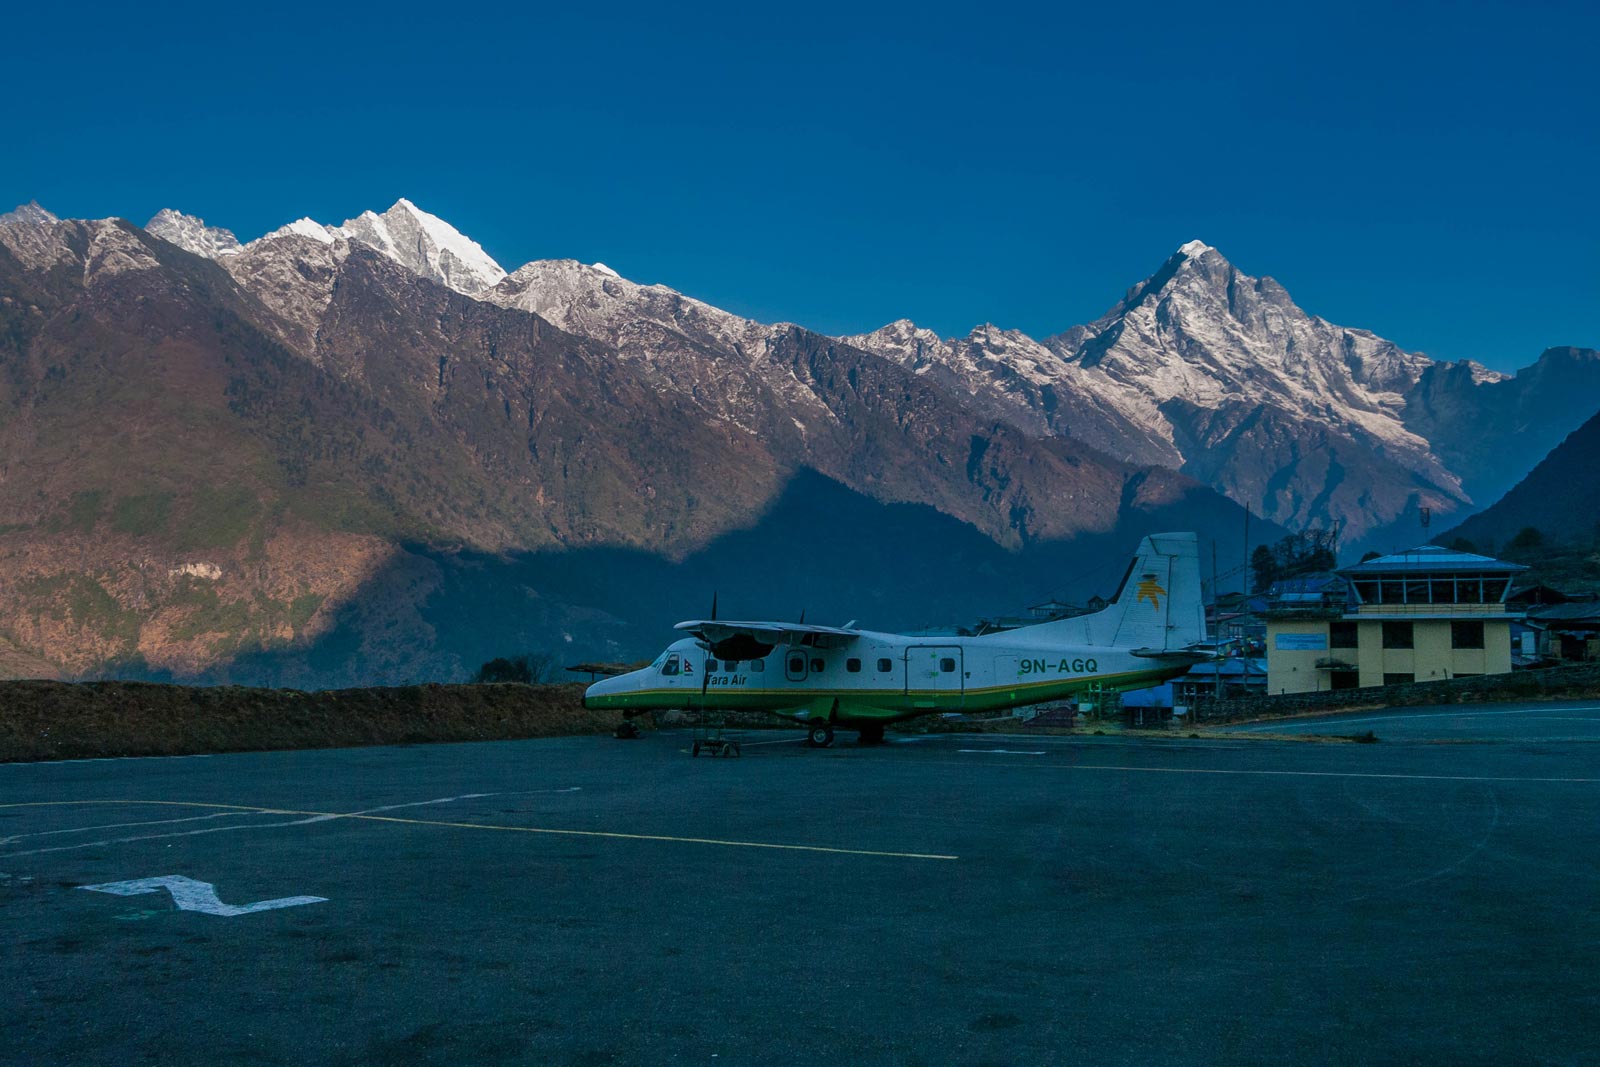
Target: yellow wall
[(1295, 671), (1430, 659)]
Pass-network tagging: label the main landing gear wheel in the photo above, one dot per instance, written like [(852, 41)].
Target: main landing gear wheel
[(820, 735), (872, 734)]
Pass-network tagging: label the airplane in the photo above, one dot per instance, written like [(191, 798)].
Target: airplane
[(828, 677)]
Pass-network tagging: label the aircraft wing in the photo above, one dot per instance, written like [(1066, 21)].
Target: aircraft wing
[(717, 632)]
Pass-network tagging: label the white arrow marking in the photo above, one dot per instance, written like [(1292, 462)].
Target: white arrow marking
[(191, 895)]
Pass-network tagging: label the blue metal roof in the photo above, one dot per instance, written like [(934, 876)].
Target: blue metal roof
[(1433, 559)]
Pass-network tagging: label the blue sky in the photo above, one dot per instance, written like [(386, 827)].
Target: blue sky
[(1425, 171)]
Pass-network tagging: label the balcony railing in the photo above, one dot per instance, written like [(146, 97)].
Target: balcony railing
[(1385, 610)]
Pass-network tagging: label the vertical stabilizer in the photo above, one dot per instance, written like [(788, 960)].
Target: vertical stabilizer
[(1158, 605)]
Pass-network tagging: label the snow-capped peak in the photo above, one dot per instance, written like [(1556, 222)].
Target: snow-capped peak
[(190, 233), (426, 244), (603, 269), (30, 214), (1195, 249), (302, 228)]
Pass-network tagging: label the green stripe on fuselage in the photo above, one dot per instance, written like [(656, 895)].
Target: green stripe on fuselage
[(881, 706)]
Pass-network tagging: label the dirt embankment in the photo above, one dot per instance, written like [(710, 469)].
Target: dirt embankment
[(42, 720)]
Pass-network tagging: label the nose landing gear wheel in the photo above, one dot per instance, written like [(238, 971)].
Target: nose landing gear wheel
[(820, 735)]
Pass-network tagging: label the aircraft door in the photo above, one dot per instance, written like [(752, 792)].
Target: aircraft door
[(936, 674), (795, 664)]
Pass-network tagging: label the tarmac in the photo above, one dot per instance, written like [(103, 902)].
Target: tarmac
[(979, 899)]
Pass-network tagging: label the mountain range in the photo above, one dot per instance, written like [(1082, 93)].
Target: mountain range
[(365, 452), (1560, 498)]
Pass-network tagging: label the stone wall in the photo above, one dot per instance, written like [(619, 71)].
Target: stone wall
[(1573, 682)]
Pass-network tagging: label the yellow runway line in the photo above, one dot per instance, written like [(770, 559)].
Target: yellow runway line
[(332, 815)]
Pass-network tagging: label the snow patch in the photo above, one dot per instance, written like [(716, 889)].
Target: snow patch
[(603, 269), (208, 571), (426, 245), (301, 228)]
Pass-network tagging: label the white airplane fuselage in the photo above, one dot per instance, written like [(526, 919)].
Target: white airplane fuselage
[(864, 678)]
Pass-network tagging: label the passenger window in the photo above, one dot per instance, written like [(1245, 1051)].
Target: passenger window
[(853, 666), (947, 665), (885, 665), (797, 665), (757, 666), (816, 666), (730, 665), (671, 666)]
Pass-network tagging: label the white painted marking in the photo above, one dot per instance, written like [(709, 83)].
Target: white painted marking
[(997, 752), (1319, 721), (329, 817), (191, 895), (1260, 773), (99, 759), (122, 825)]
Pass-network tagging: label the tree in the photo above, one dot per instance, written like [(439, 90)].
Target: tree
[(1306, 552), (1265, 565), (528, 669), (1527, 537), (1369, 555), (1461, 544)]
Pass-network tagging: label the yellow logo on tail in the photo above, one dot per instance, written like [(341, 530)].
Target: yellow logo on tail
[(1149, 589)]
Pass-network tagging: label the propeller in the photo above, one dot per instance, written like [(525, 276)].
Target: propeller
[(705, 673)]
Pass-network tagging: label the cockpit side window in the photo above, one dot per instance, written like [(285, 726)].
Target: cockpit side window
[(672, 666)]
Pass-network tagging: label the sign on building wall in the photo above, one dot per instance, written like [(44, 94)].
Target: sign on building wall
[(1301, 643)]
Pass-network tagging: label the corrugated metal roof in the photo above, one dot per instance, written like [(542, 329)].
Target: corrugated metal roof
[(1577, 611), (1432, 558)]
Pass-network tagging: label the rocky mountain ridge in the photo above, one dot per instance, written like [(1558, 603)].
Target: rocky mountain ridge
[(297, 460), (1200, 368)]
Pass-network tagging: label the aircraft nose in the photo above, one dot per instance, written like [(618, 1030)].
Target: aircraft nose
[(597, 694)]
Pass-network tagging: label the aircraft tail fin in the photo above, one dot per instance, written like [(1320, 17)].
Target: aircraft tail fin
[(1157, 607)]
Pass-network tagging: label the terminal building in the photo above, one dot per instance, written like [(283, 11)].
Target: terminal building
[(1423, 615)]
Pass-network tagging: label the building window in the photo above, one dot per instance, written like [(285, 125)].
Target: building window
[(1397, 635), (853, 666), (1343, 635), (885, 666), (1399, 679), (817, 665), (1346, 679), (947, 665), (1466, 635)]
